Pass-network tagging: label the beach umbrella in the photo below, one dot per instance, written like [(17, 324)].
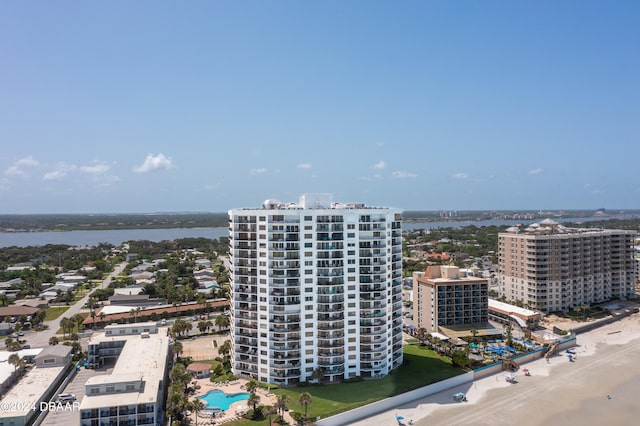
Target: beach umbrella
[(399, 417)]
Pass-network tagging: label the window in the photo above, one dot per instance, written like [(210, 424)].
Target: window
[(49, 361)]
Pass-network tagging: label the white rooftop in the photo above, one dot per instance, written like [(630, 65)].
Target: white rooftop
[(140, 359), (30, 389), (506, 307)]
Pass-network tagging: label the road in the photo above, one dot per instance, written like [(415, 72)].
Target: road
[(41, 338)]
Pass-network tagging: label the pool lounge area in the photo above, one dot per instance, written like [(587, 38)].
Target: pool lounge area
[(217, 398)]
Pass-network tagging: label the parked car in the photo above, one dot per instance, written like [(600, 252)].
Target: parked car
[(66, 397)]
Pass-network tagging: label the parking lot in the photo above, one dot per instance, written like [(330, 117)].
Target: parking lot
[(68, 415)]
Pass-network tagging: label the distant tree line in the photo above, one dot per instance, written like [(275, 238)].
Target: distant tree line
[(49, 222)]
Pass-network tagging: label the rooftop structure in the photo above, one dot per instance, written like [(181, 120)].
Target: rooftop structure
[(315, 285), (550, 267)]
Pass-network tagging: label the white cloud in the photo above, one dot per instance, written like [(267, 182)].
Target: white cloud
[(106, 180), (96, 169), (460, 176), (27, 161), (304, 166), (54, 175), (153, 163), (256, 172), (536, 171), (379, 166), (213, 186), (17, 168), (403, 175), (14, 171)]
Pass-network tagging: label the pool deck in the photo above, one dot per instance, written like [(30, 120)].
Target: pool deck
[(237, 409)]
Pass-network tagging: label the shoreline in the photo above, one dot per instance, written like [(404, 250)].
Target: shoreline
[(598, 387)]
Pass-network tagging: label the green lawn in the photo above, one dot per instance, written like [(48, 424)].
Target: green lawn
[(422, 367), (54, 312)]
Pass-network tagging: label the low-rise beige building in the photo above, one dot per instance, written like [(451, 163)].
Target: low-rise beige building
[(133, 394), (444, 297)]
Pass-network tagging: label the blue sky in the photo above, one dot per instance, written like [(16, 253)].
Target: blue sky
[(151, 106)]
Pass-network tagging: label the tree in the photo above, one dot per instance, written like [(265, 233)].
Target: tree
[(318, 374), (197, 405), (222, 322), (305, 399), (202, 326), (16, 361), (281, 403), (54, 340), (269, 411), (509, 335), (101, 315), (64, 324), (253, 400), (251, 386), (134, 313), (92, 313), (421, 335), (179, 375), (225, 349), (474, 334), (177, 348), (76, 322)]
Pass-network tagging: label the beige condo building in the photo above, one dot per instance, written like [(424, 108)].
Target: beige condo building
[(448, 300), (550, 267)]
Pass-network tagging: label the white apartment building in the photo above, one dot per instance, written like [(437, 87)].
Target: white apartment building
[(316, 286), (133, 392), (550, 267)]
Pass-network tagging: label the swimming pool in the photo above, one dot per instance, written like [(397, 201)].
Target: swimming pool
[(219, 399)]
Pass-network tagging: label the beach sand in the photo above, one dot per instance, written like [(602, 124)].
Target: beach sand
[(598, 388)]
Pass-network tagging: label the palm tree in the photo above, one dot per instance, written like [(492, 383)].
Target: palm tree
[(251, 386), (281, 403), (305, 399), (177, 348), (92, 313), (16, 361), (318, 374), (269, 411), (197, 405), (421, 335), (222, 321), (225, 348), (76, 321), (101, 315), (253, 400), (64, 324), (202, 326)]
